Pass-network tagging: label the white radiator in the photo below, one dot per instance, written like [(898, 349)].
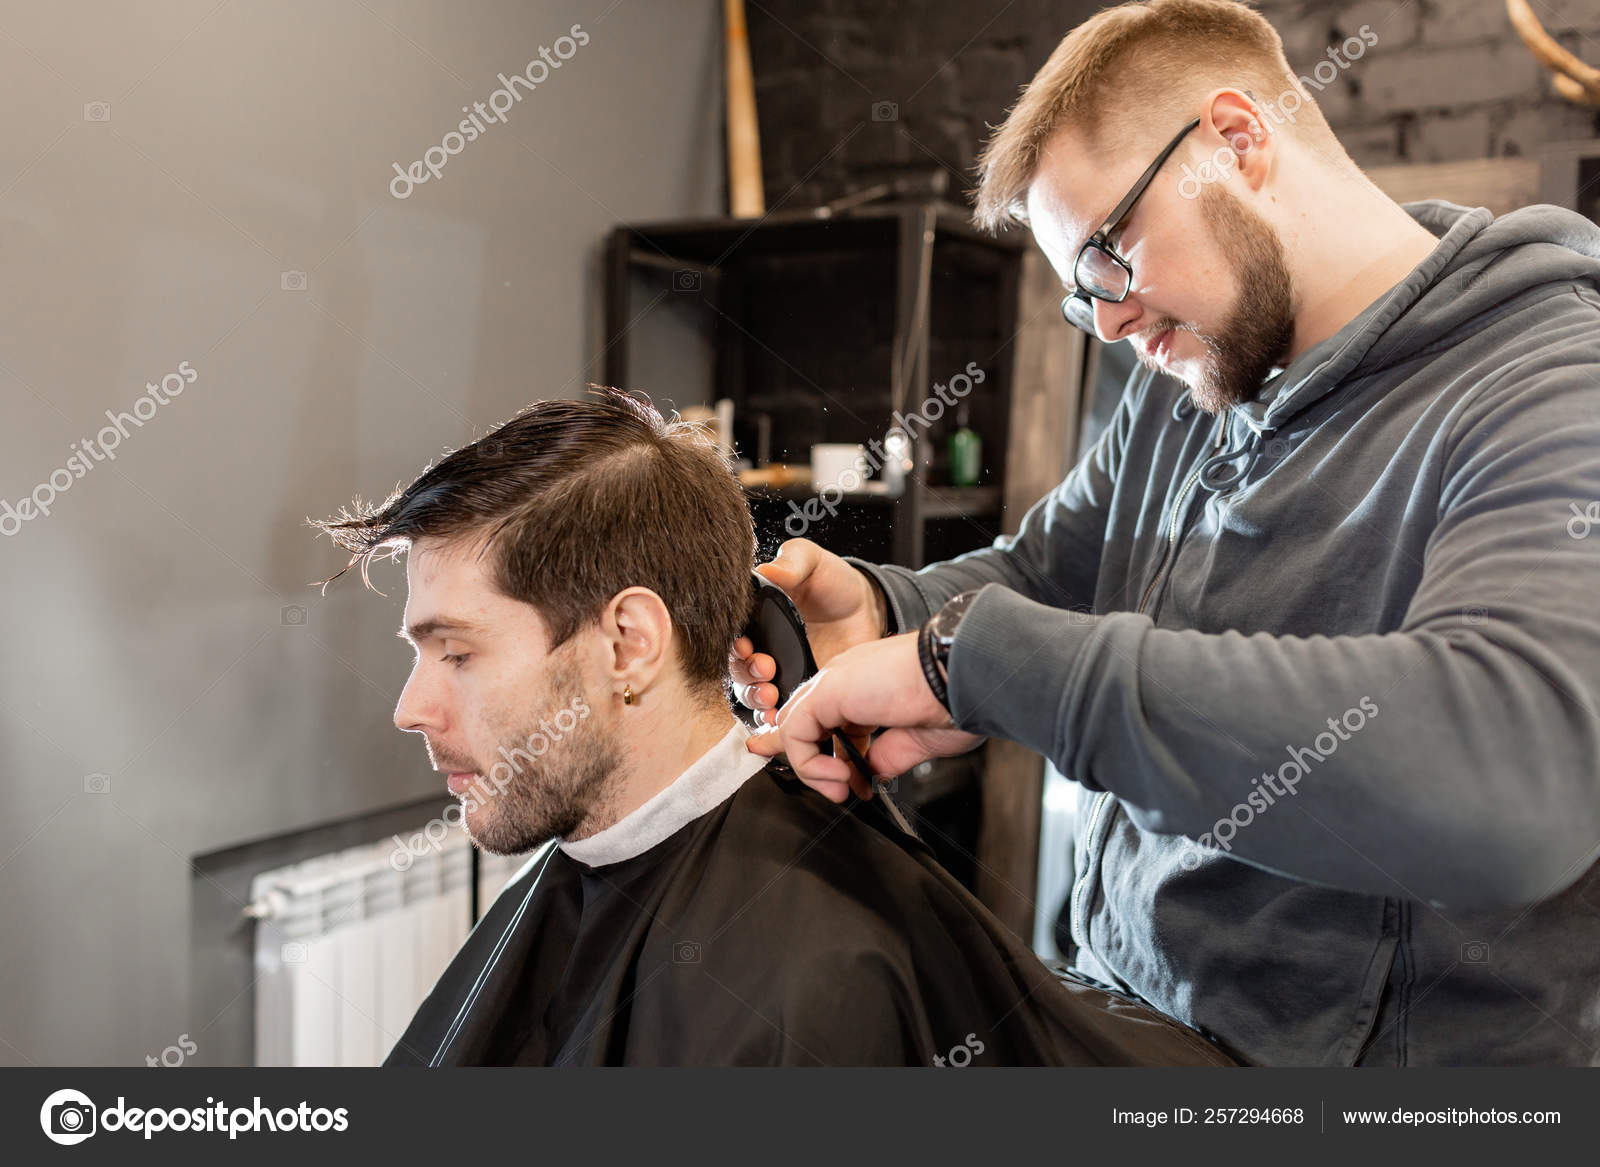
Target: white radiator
[(348, 945)]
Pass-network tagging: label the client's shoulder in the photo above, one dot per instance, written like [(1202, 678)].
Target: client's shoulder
[(849, 858)]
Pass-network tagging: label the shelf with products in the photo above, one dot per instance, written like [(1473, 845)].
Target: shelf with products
[(840, 330)]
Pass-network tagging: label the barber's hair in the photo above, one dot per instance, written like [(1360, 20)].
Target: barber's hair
[(573, 501), (1134, 74)]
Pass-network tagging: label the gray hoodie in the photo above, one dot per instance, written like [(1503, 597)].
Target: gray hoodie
[(1327, 672)]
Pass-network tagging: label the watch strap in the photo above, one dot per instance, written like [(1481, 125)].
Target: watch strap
[(930, 666)]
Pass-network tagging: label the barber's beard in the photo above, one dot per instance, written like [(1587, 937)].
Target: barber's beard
[(542, 782), (1256, 334)]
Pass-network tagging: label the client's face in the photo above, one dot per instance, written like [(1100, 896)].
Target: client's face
[(508, 721)]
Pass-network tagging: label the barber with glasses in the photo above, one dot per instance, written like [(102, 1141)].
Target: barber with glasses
[(1312, 626)]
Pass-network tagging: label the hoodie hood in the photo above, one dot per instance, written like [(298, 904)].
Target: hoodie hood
[(1482, 267)]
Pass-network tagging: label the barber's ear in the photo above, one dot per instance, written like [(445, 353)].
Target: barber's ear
[(638, 629), (1244, 131)]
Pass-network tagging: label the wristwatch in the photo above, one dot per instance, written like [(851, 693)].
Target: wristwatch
[(933, 644)]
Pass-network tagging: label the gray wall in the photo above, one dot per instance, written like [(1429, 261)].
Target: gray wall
[(144, 631)]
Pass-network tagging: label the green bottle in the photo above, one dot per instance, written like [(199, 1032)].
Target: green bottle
[(966, 452)]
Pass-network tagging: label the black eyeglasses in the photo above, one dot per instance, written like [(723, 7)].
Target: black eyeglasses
[(1098, 271)]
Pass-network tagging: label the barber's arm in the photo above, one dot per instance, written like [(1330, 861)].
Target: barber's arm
[(1464, 763), (1055, 554), (1053, 558)]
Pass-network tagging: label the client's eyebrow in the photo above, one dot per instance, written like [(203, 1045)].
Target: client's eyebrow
[(423, 629)]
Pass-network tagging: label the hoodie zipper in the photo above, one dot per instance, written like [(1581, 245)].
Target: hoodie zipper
[(1180, 504), (1079, 925)]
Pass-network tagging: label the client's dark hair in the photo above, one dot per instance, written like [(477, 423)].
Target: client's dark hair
[(578, 500)]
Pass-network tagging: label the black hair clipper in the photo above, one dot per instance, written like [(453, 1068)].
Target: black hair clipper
[(776, 629)]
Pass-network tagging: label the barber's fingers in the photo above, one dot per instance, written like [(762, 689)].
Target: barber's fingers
[(895, 751), (834, 778), (745, 664), (797, 736), (817, 772), (792, 565), (809, 718), (750, 672), (832, 791)]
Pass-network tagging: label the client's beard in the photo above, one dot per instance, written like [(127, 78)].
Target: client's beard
[(551, 791), (1259, 328)]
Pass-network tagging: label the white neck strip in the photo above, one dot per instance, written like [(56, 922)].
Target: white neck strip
[(708, 782)]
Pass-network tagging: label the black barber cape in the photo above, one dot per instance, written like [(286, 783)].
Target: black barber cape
[(775, 929)]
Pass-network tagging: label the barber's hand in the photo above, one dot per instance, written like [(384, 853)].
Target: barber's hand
[(880, 683), (841, 608)]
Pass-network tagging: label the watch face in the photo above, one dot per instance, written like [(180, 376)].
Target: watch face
[(946, 619)]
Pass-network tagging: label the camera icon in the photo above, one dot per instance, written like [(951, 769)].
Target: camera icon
[(292, 616), (75, 1120), (885, 111), (293, 952), (887, 785), (1474, 952), (1475, 615), (97, 111), (490, 449), (686, 281), (686, 952), (97, 783), (1276, 448), (293, 281)]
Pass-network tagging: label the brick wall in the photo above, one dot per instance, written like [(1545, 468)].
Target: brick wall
[(1446, 79), (852, 90)]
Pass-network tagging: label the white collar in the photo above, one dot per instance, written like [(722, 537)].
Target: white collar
[(709, 781)]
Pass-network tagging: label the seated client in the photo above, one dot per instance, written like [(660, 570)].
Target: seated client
[(576, 579)]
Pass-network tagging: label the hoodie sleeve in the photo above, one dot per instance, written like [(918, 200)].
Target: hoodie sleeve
[(1055, 555), (1460, 763)]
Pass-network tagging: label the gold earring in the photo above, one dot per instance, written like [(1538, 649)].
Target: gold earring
[(627, 695)]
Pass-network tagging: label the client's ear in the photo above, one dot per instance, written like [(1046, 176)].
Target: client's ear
[(638, 632)]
